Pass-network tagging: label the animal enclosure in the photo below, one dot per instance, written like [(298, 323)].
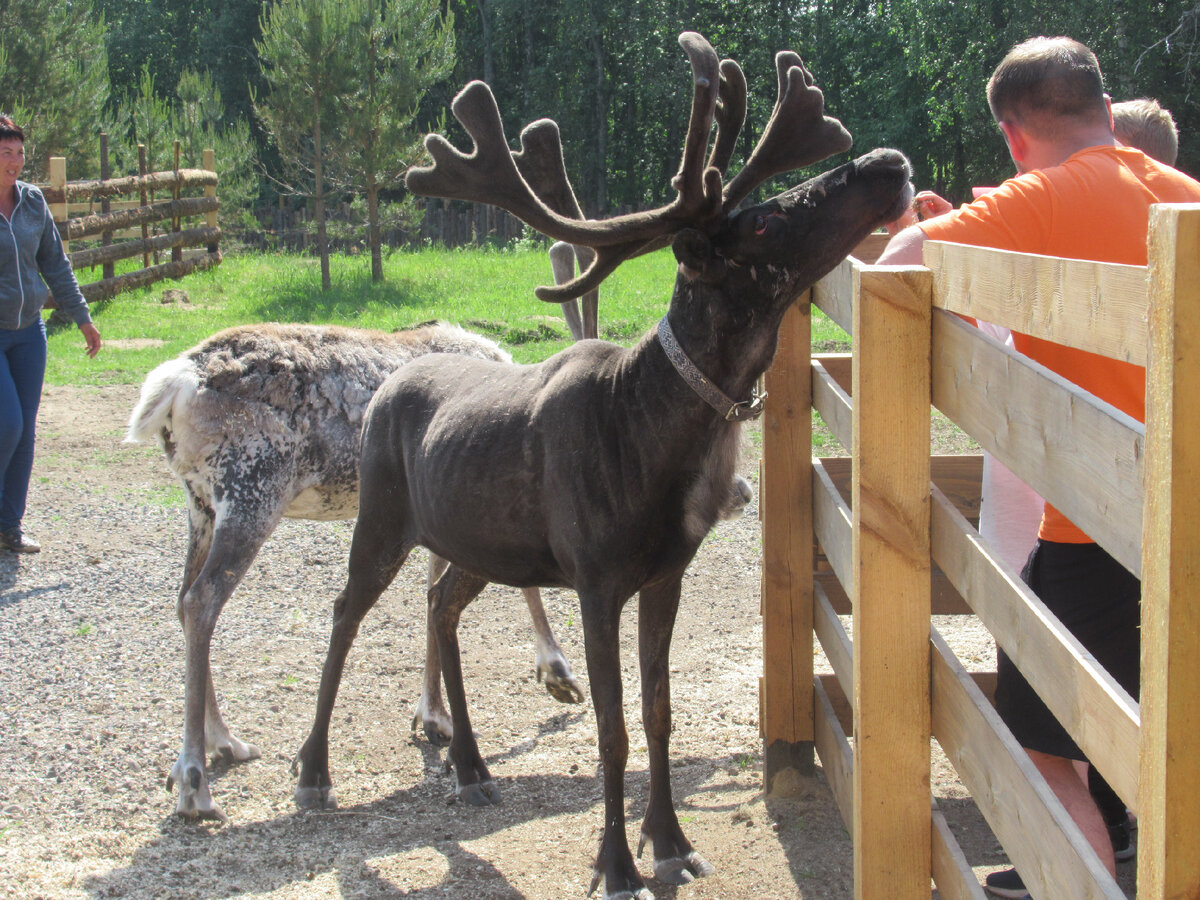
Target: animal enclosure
[(85, 210), (891, 542)]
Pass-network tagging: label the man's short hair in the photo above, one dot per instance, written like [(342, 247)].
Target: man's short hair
[(1047, 84), (1144, 124)]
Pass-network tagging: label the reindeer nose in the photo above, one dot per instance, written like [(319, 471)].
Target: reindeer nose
[(883, 159)]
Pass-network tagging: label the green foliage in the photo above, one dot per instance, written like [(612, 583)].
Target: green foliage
[(54, 77), (306, 52), (399, 50), (195, 116)]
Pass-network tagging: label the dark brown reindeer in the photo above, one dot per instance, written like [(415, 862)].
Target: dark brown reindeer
[(602, 468)]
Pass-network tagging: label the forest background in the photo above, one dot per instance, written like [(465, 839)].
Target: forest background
[(321, 101)]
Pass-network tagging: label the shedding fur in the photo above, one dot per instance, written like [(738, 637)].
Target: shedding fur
[(260, 422)]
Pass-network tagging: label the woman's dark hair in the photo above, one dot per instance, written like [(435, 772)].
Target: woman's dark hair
[(10, 130)]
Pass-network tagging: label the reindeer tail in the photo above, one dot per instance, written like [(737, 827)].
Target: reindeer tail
[(169, 381)]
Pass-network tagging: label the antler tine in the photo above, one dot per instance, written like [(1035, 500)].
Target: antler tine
[(706, 84), (698, 185), (799, 133), (730, 115), (540, 162)]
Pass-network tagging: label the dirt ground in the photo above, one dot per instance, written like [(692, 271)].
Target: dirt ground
[(91, 680)]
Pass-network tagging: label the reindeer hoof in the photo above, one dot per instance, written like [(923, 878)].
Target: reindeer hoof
[(485, 793), (642, 893), (235, 751), (682, 871), (315, 798), (561, 683), (195, 802)]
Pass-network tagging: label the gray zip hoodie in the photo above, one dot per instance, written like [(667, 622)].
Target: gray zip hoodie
[(33, 265)]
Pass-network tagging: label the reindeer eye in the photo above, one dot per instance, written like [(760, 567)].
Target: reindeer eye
[(760, 224)]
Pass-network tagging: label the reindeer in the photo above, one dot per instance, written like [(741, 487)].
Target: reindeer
[(601, 468), (260, 422)]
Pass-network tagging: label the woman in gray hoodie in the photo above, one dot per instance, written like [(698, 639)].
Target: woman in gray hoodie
[(33, 266)]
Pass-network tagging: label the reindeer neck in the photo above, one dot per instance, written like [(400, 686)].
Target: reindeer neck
[(731, 350)]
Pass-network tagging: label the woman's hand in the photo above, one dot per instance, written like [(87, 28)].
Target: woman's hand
[(92, 336), (930, 204)]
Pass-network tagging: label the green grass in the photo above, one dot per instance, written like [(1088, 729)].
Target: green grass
[(489, 291)]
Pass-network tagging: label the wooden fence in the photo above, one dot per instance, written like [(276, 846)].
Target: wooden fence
[(128, 228), (887, 537)]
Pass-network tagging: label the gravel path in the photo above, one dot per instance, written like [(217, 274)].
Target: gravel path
[(91, 680)]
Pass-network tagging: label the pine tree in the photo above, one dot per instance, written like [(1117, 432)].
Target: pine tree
[(308, 64), (53, 65), (401, 49)]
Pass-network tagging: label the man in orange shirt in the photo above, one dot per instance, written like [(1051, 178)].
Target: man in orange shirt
[(1078, 194)]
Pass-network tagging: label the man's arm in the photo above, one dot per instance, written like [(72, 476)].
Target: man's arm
[(904, 249)]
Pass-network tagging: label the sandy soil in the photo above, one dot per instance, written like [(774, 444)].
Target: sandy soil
[(91, 680)]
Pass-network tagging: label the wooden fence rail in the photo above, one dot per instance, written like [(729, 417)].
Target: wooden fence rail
[(889, 537), (74, 208)]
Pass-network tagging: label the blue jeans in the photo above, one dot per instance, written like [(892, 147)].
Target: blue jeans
[(22, 369)]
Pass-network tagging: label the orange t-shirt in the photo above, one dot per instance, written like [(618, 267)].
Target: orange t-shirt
[(1095, 206)]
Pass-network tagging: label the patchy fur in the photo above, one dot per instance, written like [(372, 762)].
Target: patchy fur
[(261, 422)]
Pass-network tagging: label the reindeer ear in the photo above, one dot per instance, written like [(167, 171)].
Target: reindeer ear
[(696, 256)]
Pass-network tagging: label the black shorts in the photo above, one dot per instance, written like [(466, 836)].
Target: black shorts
[(1098, 600)]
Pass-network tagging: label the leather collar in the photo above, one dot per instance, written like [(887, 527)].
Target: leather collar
[(728, 409)]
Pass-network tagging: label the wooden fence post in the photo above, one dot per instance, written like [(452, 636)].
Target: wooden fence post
[(209, 162), (108, 269), (176, 221), (891, 582), (142, 169), (58, 181), (1169, 786), (785, 509)]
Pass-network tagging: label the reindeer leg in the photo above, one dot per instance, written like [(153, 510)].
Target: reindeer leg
[(551, 664), (218, 739), (377, 552), (431, 711), (590, 303), (448, 598), (675, 861), (235, 538), (601, 634)]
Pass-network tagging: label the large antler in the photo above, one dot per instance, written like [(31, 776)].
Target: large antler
[(532, 183), (797, 135)]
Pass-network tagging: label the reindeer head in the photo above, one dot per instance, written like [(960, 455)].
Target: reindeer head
[(757, 259)]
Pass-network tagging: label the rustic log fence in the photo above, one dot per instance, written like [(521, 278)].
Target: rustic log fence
[(888, 538), (125, 228)]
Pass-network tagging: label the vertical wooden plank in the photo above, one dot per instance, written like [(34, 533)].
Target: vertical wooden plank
[(891, 566), (108, 270), (176, 222), (58, 180), (145, 201), (209, 163), (785, 508), (1169, 807)]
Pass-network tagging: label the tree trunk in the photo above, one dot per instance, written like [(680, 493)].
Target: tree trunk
[(489, 54), (319, 197), (373, 237), (600, 122)]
